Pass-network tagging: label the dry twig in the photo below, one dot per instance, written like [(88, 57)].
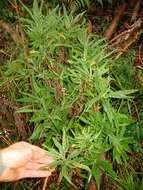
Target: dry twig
[(109, 32)]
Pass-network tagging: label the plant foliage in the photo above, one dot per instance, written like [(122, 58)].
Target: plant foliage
[(65, 83)]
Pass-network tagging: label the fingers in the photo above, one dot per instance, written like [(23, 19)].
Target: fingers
[(45, 160), (34, 166), (39, 163), (37, 152), (21, 173), (40, 155), (36, 174)]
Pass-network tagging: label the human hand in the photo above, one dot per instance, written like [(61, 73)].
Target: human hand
[(23, 160)]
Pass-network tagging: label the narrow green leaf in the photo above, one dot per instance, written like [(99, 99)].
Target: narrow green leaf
[(82, 166), (106, 166), (25, 110), (58, 145), (121, 93), (96, 172)]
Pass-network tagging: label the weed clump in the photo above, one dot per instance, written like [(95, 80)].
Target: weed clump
[(63, 80)]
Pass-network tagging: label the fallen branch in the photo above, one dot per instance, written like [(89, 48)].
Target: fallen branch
[(124, 40), (109, 32)]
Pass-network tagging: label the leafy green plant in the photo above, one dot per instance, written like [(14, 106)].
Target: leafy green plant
[(67, 157), (67, 89)]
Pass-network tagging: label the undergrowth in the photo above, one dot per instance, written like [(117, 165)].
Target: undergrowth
[(63, 79)]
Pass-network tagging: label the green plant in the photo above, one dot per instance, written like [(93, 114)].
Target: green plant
[(129, 181), (65, 84)]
